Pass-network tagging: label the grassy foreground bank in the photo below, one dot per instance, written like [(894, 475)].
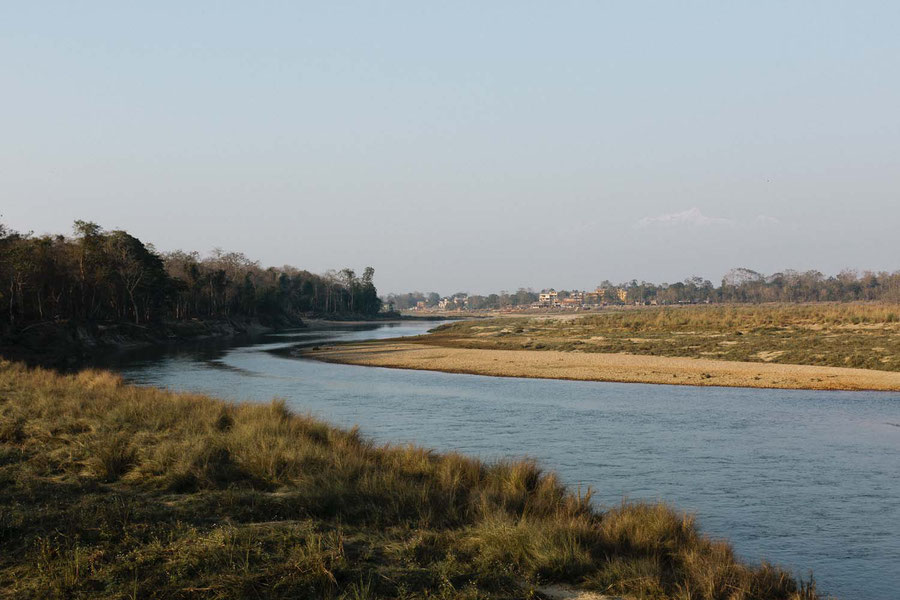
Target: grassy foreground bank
[(114, 491)]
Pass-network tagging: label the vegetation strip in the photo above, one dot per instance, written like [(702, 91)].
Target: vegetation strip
[(836, 335), (112, 491)]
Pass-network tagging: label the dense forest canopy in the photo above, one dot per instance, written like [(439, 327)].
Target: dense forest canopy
[(738, 285), (99, 275)]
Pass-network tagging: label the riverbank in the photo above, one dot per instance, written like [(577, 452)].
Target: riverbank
[(320, 322), (67, 343), (625, 368), (120, 491), (857, 335)]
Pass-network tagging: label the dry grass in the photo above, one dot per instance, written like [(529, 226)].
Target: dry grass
[(113, 491), (827, 334)]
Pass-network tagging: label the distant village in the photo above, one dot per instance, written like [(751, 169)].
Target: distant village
[(546, 299)]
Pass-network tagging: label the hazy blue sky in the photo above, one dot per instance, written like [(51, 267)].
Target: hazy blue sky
[(463, 145)]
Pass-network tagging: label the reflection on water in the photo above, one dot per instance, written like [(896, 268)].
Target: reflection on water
[(809, 480)]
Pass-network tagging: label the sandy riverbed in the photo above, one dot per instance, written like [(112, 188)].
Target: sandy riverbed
[(604, 367)]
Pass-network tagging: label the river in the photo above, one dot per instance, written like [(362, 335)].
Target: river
[(804, 479)]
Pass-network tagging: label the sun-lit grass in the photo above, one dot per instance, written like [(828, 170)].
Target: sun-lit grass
[(861, 335), (114, 491)]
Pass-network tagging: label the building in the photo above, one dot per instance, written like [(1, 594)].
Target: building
[(548, 297), (453, 303)]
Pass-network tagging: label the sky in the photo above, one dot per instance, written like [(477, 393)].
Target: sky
[(464, 146)]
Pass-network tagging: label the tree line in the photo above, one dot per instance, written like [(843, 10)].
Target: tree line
[(738, 285), (749, 286), (521, 297), (98, 275)]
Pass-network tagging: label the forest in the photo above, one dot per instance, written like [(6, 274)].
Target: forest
[(98, 276)]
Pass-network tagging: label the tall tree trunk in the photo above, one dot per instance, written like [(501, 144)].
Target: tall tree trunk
[(12, 300)]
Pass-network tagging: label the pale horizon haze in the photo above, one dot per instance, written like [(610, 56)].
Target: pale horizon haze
[(463, 146)]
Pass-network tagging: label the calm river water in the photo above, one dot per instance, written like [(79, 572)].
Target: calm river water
[(805, 479)]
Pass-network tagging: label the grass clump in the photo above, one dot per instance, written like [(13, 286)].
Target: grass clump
[(114, 491), (112, 457)]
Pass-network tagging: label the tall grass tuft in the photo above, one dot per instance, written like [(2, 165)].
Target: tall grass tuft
[(112, 457)]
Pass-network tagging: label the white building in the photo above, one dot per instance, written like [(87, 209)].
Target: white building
[(548, 297)]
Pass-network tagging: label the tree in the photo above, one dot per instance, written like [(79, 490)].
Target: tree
[(137, 270)]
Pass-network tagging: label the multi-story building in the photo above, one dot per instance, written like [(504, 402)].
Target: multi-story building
[(548, 297), (453, 303)]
